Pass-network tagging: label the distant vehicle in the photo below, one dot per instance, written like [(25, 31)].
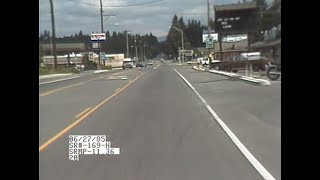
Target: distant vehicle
[(150, 62), (127, 63), (142, 64)]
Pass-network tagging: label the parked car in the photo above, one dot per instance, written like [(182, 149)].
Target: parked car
[(127, 64), (239, 62)]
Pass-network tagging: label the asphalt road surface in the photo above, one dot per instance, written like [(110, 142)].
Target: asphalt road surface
[(162, 128)]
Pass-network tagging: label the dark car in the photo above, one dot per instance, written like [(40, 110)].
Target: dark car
[(142, 64)]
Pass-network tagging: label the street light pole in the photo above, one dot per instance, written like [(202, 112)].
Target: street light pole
[(182, 42)]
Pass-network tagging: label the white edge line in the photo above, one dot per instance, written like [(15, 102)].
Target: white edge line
[(59, 80), (255, 163)]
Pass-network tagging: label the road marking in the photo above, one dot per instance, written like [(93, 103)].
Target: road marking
[(117, 90), (80, 114), (255, 163), (46, 144), (59, 80), (59, 89), (55, 90), (156, 67)]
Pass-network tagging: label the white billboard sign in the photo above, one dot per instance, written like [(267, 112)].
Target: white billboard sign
[(214, 37), (98, 37)]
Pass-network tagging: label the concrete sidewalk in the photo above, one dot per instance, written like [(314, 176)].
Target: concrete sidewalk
[(234, 75)]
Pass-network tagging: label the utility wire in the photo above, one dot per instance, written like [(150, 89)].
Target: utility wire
[(124, 6)]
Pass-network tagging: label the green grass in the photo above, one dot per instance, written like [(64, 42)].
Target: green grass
[(51, 70)]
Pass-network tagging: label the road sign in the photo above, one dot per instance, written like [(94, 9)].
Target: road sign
[(186, 52), (209, 44), (95, 45), (98, 37), (103, 56)]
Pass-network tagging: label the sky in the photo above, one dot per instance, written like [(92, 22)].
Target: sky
[(71, 16)]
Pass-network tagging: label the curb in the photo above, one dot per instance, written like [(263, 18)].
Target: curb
[(245, 78), (100, 71)]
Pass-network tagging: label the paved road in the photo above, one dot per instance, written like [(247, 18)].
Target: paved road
[(162, 128)]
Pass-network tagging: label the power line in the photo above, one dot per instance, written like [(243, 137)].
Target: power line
[(130, 5)]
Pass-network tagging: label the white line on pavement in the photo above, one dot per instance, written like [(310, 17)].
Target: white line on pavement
[(156, 67), (59, 80), (255, 163)]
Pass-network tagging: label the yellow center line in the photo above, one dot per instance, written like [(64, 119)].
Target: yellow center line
[(117, 90), (46, 144), (80, 114)]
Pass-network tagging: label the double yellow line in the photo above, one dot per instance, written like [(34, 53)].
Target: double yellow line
[(81, 116)]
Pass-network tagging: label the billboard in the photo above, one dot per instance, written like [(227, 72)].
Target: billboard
[(235, 38), (98, 37), (238, 18)]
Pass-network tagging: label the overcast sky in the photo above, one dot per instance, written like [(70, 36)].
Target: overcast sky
[(71, 16)]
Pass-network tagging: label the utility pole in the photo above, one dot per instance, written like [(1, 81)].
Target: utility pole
[(210, 62), (55, 64), (141, 55), (127, 44), (100, 43), (144, 50), (183, 53), (135, 43)]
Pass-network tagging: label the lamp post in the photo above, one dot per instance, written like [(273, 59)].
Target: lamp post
[(127, 41), (181, 40)]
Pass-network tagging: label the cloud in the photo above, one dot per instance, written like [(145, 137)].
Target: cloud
[(71, 16)]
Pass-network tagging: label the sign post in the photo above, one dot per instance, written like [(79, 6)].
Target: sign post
[(98, 38)]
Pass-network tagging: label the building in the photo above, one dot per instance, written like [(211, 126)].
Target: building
[(62, 48), (228, 49), (113, 60)]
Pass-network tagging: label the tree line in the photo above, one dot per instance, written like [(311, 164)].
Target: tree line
[(115, 42)]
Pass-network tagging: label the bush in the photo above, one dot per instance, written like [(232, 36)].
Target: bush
[(50, 70), (106, 67)]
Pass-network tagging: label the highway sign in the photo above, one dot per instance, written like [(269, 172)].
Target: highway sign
[(209, 42)]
